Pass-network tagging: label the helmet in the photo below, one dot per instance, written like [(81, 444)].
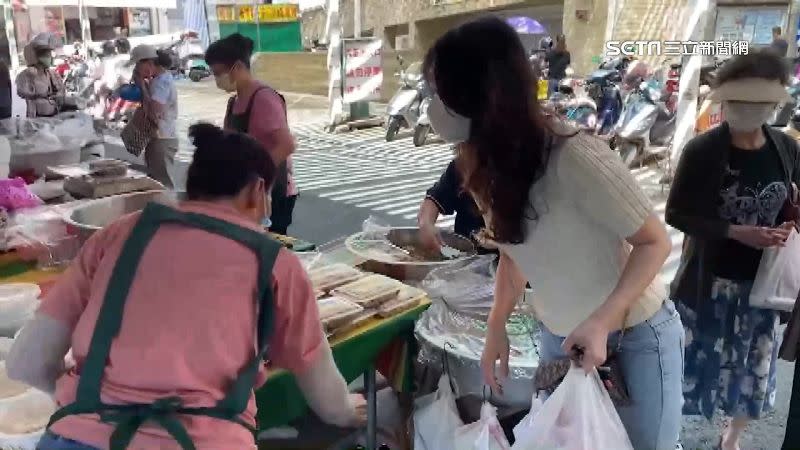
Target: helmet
[(545, 43)]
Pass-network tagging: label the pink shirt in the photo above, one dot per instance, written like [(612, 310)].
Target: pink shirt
[(188, 328), (268, 114)]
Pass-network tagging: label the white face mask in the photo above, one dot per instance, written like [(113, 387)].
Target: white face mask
[(450, 126), (744, 117)]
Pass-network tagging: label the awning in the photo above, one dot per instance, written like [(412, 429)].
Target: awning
[(162, 4)]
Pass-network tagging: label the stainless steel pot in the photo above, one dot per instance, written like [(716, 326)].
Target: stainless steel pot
[(84, 220)]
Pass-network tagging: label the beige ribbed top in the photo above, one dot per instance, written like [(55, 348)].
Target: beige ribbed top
[(587, 203)]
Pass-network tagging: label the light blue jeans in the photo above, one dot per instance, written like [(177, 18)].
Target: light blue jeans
[(52, 441), (651, 357)]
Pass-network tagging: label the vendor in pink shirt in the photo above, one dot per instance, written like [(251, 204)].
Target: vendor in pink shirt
[(259, 111), (170, 314)]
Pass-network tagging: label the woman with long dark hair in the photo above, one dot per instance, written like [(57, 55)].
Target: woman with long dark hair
[(568, 217)]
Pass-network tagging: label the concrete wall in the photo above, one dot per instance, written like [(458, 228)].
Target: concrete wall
[(312, 22), (307, 72), (293, 72), (664, 20), (585, 38)]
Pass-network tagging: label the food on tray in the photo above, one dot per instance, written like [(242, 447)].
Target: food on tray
[(407, 298), (370, 291), (336, 311), (286, 241), (330, 277), (355, 322)]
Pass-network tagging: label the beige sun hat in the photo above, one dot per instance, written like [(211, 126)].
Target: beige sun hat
[(142, 52), (751, 90)]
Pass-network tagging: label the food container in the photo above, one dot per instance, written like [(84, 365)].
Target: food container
[(94, 215), (370, 291), (326, 278), (336, 311), (406, 299), (394, 256)]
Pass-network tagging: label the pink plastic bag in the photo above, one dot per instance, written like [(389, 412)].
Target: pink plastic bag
[(14, 195)]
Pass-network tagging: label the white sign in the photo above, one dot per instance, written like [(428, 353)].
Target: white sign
[(363, 70)]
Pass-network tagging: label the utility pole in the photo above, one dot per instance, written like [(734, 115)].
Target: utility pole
[(357, 18), (689, 82), (333, 33)]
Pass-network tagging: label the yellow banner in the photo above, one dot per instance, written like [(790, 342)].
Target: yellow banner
[(277, 13), (226, 13), (247, 14)]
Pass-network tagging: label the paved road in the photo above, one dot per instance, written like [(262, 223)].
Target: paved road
[(346, 178)]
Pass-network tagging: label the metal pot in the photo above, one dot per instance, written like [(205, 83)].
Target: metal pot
[(84, 220)]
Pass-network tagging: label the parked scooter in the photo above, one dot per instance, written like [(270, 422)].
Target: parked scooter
[(646, 127), (602, 86), (572, 104), (784, 112), (404, 108)]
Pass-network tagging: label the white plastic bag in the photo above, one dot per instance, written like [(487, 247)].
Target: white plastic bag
[(485, 434), (436, 419), (23, 419), (522, 430), (579, 415), (777, 281)]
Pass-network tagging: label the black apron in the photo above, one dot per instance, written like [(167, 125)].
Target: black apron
[(129, 418), (241, 123)]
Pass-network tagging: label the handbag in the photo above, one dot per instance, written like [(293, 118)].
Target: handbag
[(549, 375), (138, 132), (777, 281)]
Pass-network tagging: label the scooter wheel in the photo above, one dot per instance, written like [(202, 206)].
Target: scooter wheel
[(392, 128), (421, 135), (628, 151)]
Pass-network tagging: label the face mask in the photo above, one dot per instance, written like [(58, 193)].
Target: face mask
[(744, 117), (46, 60), (450, 126), (224, 81)]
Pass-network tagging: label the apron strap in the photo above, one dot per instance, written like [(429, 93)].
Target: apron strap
[(130, 417)]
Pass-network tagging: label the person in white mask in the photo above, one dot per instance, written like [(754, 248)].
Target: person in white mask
[(260, 111), (568, 217), (728, 198)]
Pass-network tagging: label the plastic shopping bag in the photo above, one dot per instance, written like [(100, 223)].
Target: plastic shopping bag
[(436, 419), (777, 281), (579, 415), (522, 430), (485, 434)]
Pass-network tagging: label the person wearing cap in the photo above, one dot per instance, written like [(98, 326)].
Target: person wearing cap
[(729, 191), (160, 100), (40, 85)]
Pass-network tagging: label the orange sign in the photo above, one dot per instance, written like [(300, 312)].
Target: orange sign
[(709, 116), (226, 13), (277, 13), (247, 14)]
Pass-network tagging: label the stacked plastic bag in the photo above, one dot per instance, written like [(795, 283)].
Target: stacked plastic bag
[(18, 303), (24, 411)]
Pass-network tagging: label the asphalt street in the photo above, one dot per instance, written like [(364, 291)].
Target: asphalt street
[(345, 178)]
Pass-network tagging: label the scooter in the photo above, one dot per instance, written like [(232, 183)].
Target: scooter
[(784, 112), (404, 107), (572, 106), (423, 127), (602, 87), (646, 127)]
